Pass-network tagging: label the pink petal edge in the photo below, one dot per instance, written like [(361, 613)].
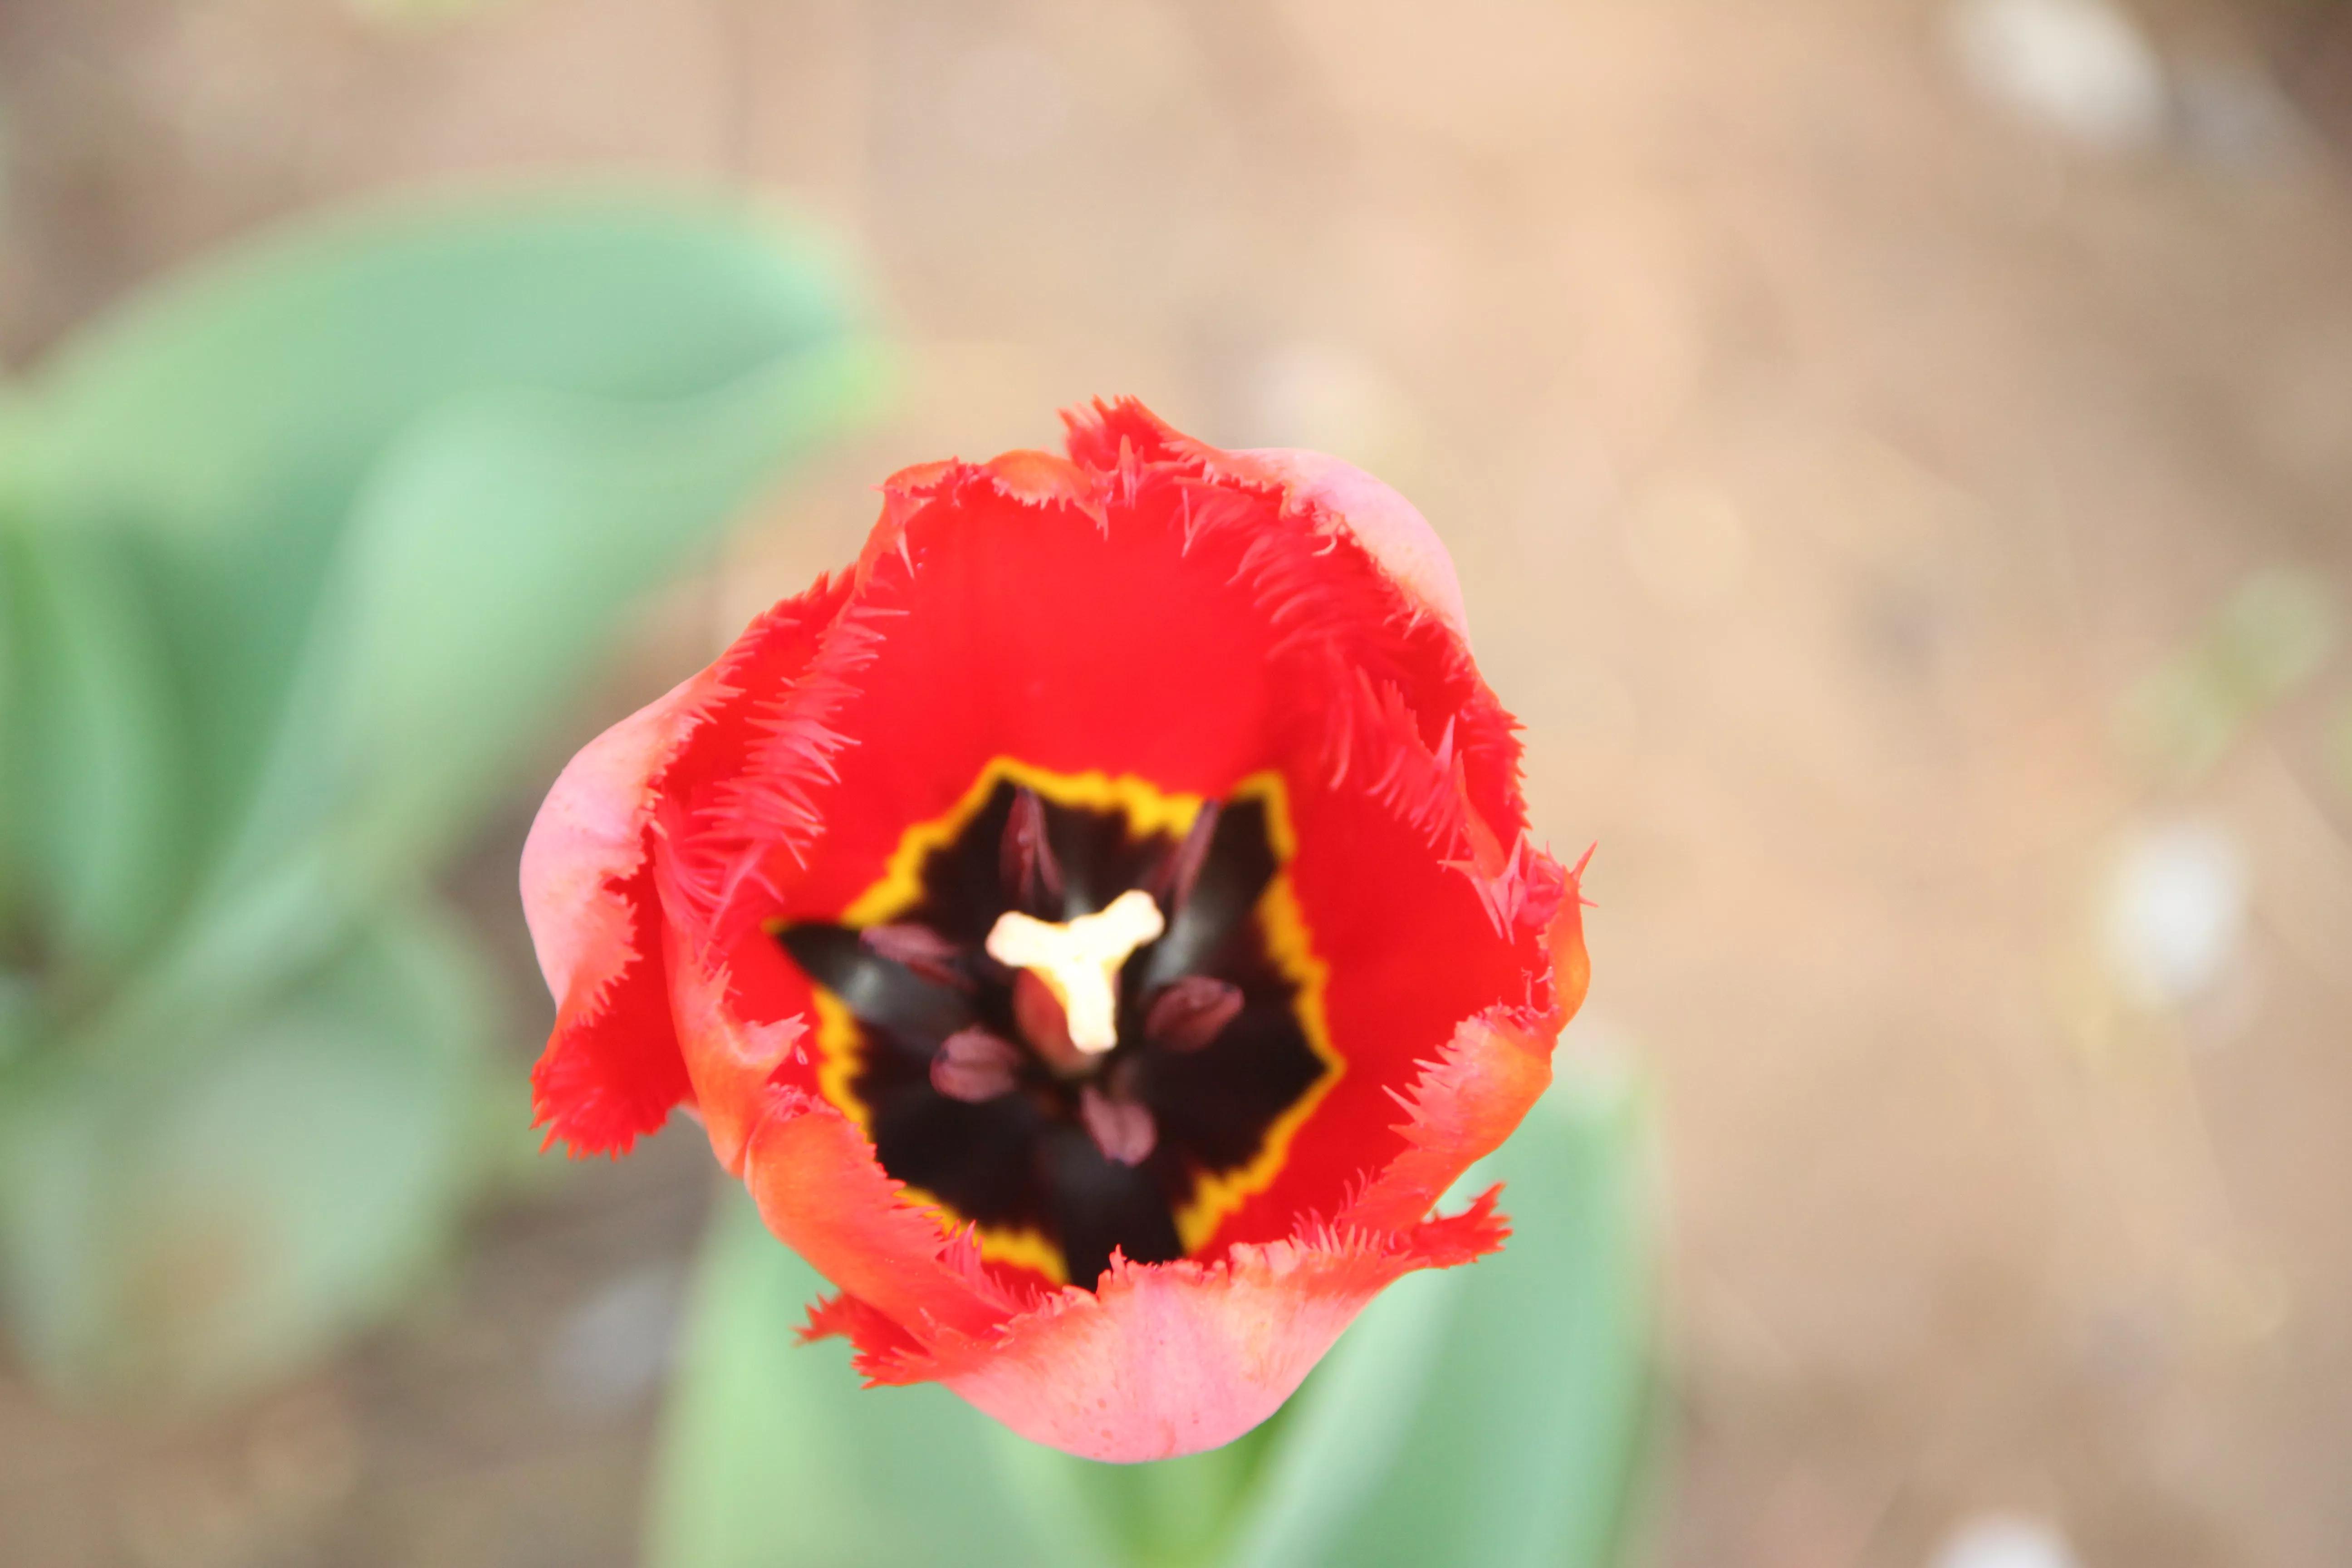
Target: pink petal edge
[(1388, 526), (590, 834)]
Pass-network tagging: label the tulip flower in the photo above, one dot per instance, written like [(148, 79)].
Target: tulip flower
[(1097, 928)]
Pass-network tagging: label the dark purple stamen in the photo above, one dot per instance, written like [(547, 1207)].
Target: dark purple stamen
[(1191, 1013), (920, 949), (1122, 1129), (974, 1065), (1181, 870), (1025, 860)]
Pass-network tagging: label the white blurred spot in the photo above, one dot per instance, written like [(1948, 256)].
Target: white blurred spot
[(2176, 912), (1997, 1540), (2082, 68), (1687, 545), (616, 1345)]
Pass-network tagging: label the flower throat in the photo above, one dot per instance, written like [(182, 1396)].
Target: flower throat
[(1078, 1011)]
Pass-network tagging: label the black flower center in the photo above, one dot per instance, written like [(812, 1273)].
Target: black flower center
[(996, 1090)]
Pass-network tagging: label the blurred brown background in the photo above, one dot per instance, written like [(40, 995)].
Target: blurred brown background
[(1899, 456)]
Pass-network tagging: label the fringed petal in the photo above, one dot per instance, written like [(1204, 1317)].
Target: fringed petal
[(611, 1069), (730, 1058), (1386, 524), (1470, 1097), (1460, 1110), (818, 1188), (878, 1343), (1169, 1358)]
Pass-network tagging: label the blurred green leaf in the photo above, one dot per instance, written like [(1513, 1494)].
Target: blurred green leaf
[(487, 557), (15, 915), (774, 1456), (188, 1233), (1494, 1414), (20, 1016), (1497, 1413), (301, 556), (92, 833), (1177, 1513), (395, 475), (234, 418)]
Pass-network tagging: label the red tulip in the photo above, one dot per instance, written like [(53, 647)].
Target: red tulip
[(1096, 928)]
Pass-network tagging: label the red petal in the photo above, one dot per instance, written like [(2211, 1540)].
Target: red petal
[(1040, 479), (1173, 1358), (1460, 1110), (1337, 493), (1472, 1097), (1150, 606), (733, 1052), (612, 1068), (877, 1341), (814, 1177)]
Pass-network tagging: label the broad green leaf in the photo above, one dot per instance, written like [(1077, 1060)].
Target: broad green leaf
[(91, 743), (188, 1233), (774, 1456), (234, 417), (487, 557), (1347, 1427), (1497, 1413)]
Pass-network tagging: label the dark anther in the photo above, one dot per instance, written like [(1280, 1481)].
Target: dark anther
[(1181, 870), (1033, 876), (920, 949), (1122, 1129), (1192, 1012), (1046, 1026), (974, 1066), (881, 992)]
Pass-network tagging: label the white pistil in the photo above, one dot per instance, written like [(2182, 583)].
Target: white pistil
[(1079, 959)]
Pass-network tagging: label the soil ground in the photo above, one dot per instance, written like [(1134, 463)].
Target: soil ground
[(1829, 457)]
